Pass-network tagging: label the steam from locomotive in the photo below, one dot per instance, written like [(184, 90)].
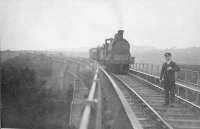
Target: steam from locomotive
[(114, 54)]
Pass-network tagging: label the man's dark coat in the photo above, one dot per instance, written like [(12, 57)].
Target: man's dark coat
[(169, 75)]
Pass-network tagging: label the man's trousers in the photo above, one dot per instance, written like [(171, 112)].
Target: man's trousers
[(169, 87)]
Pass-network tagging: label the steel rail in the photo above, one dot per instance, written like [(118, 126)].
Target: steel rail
[(151, 108), (162, 89), (131, 115), (87, 110)]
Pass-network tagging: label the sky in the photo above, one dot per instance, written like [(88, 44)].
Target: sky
[(81, 24)]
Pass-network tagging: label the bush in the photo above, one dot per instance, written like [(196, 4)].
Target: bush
[(22, 92)]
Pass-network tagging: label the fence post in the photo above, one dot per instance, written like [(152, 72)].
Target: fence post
[(138, 66), (152, 69), (148, 68), (143, 67), (158, 70), (198, 80), (178, 91), (186, 94), (183, 79), (186, 76)]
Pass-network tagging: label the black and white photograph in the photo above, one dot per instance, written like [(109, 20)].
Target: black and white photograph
[(100, 64)]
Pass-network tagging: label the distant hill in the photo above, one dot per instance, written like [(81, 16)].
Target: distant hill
[(144, 54), (187, 56), (147, 54)]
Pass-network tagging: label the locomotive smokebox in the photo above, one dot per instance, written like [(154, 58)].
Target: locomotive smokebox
[(120, 34)]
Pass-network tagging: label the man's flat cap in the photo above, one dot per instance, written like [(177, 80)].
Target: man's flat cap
[(167, 54)]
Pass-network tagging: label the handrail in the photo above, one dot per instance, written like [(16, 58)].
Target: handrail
[(87, 110), (185, 75), (179, 84)]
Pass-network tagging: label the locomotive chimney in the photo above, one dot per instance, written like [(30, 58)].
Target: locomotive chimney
[(120, 34), (116, 36), (106, 41)]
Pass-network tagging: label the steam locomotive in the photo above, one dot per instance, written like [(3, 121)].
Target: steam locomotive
[(114, 54)]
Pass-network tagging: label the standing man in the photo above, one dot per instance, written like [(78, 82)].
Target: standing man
[(168, 74)]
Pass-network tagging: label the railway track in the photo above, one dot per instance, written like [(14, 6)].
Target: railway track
[(147, 104)]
